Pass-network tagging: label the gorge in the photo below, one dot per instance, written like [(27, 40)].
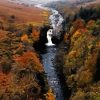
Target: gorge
[(83, 33), (48, 51)]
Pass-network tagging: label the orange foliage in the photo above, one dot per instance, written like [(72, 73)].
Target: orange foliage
[(77, 33), (80, 31), (24, 37), (73, 54), (85, 77), (84, 30), (66, 37), (20, 45), (78, 24), (35, 34), (28, 58), (5, 80), (2, 34), (50, 95), (91, 23)]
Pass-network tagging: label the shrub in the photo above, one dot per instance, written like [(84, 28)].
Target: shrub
[(96, 96), (78, 24), (11, 18), (80, 95), (29, 59), (11, 27), (84, 78), (91, 24), (6, 67), (98, 22), (88, 13)]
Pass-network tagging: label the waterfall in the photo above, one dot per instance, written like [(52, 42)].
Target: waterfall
[(48, 53), (56, 21), (49, 37)]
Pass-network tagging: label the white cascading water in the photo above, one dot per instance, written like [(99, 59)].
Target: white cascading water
[(56, 21), (49, 53), (49, 37)]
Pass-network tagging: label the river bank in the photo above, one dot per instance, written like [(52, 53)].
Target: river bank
[(21, 72), (81, 58), (47, 51)]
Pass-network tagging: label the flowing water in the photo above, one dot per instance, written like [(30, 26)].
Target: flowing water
[(48, 55), (49, 37), (49, 67)]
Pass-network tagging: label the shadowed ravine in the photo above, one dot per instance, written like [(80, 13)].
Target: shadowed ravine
[(53, 80), (48, 53)]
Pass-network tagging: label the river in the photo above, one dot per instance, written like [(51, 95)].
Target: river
[(48, 54)]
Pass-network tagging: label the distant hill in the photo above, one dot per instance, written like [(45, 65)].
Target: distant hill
[(72, 3), (21, 12), (70, 7)]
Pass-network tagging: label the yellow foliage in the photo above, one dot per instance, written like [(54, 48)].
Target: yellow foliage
[(24, 37), (29, 58), (75, 36), (50, 95), (35, 34), (91, 24), (85, 77), (77, 33), (72, 54), (80, 95)]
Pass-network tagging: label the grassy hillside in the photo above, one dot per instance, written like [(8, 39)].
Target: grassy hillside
[(22, 13), (21, 72)]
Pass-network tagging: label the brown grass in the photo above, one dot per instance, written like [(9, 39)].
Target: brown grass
[(22, 13)]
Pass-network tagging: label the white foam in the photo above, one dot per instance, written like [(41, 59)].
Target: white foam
[(56, 21), (49, 36)]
